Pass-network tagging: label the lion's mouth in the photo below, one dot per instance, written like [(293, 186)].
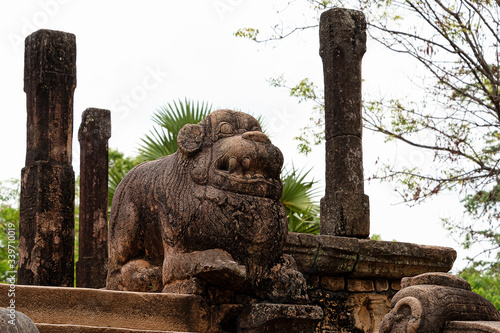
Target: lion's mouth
[(247, 176)]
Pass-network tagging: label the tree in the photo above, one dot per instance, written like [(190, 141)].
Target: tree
[(484, 281), (456, 43), (298, 194), (9, 227)]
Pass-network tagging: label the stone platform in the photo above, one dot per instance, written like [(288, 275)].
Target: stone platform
[(352, 280), (71, 310)]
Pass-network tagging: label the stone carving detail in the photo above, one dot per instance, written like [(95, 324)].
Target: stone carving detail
[(210, 212), (428, 302)]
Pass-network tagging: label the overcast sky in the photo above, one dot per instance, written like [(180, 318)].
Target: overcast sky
[(135, 56)]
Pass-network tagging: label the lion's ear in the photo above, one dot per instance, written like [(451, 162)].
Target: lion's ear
[(190, 138)]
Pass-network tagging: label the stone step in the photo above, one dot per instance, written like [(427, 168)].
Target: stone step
[(81, 307), (59, 328)]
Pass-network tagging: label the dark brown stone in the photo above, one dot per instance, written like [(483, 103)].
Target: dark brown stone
[(332, 283), (345, 208), (210, 211), (342, 46), (271, 318), (94, 132), (356, 285), (381, 285), (49, 83), (345, 214), (46, 225), (344, 157), (428, 308), (322, 255), (46, 222)]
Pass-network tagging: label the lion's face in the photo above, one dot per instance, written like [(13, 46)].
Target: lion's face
[(237, 156)]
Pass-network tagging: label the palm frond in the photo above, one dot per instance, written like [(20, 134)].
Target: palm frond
[(157, 144), (171, 118)]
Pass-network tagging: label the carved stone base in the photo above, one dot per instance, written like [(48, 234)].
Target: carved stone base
[(267, 317)]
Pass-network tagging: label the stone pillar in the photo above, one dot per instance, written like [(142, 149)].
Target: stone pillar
[(345, 207), (46, 221), (95, 130)]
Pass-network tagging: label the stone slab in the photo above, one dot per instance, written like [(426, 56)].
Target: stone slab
[(395, 260), (336, 256), (119, 309), (54, 328), (322, 255), (473, 327)]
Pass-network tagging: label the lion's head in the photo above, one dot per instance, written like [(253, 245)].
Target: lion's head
[(232, 154)]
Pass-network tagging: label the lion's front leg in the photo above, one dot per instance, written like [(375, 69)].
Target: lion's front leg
[(215, 266)]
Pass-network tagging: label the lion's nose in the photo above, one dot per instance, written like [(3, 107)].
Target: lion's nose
[(255, 136)]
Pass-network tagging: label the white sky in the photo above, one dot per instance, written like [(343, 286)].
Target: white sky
[(133, 57)]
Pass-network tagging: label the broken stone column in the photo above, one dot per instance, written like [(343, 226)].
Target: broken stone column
[(345, 207), (94, 132), (46, 221)]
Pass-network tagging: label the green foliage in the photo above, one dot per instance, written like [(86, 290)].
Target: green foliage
[(171, 118), (118, 167), (249, 33), (298, 199), (9, 227), (485, 282)]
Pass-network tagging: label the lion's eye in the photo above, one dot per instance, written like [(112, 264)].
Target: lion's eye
[(226, 128)]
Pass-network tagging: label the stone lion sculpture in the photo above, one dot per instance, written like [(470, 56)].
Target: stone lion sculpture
[(211, 211)]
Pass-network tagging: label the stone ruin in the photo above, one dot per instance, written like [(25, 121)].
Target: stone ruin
[(198, 240)]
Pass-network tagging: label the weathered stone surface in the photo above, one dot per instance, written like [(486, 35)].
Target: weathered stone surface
[(332, 283), (351, 312), (428, 308), (381, 285), (46, 225), (12, 321), (436, 279), (266, 317), (344, 157), (350, 213), (345, 207), (335, 256), (94, 132), (380, 259), (342, 46), (49, 83), (367, 310), (472, 327), (211, 211), (104, 308), (356, 285), (396, 285), (322, 255), (46, 222)]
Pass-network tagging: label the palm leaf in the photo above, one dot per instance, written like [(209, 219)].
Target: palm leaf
[(171, 118), (298, 199)]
